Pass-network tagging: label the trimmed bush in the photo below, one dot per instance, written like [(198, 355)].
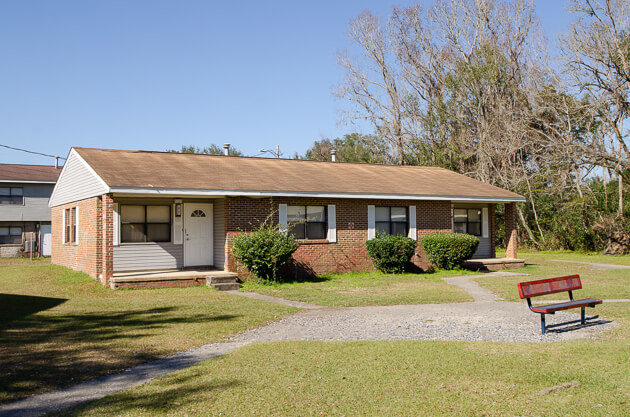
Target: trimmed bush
[(449, 250), (265, 251), (390, 253)]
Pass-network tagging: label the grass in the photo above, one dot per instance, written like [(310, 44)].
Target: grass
[(364, 289), (572, 378), (58, 327), (595, 284)]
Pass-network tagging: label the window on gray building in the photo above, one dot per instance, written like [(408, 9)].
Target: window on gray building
[(10, 235), (11, 195)]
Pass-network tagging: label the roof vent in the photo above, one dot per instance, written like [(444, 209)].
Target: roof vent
[(226, 149), (333, 154)]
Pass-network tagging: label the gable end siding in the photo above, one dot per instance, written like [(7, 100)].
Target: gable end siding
[(76, 182)]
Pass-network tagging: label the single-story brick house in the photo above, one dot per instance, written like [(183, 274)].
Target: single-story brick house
[(116, 211)]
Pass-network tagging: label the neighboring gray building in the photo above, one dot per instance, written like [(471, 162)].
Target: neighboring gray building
[(24, 211)]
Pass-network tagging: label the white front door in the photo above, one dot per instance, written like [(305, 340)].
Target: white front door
[(198, 237), (46, 239)]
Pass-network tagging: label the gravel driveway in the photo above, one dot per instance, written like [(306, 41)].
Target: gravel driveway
[(477, 321), (485, 319)]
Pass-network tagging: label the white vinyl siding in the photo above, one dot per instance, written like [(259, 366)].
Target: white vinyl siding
[(484, 222), (219, 234), (484, 250), (148, 256), (76, 182)]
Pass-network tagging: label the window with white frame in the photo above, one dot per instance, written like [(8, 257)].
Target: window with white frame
[(10, 235), (307, 222), (145, 223), (11, 195), (392, 220), (70, 221), (467, 221)]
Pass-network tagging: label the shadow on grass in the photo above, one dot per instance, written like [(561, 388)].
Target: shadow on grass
[(573, 325), (16, 306), (42, 352), (164, 396)]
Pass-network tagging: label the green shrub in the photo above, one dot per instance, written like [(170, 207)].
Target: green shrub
[(265, 251), (449, 250), (390, 253)]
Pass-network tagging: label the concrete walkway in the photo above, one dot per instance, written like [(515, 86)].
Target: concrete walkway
[(595, 266), (485, 319), (278, 300), (479, 293)]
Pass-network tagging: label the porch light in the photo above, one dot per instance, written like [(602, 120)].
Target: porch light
[(178, 210)]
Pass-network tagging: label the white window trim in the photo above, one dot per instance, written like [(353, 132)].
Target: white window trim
[(63, 226), (76, 225)]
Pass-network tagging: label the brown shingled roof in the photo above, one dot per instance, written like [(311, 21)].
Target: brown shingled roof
[(145, 169), (18, 172)]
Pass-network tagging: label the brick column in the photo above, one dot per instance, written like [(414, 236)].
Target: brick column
[(510, 230), (107, 236)]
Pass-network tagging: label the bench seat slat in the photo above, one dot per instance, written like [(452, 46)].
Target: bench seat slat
[(551, 308), (549, 286)]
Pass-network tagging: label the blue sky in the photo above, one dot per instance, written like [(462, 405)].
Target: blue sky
[(157, 74)]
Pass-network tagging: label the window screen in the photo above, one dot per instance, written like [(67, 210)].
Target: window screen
[(307, 222), (140, 223), (10, 235), (391, 220), (467, 221), (11, 195)]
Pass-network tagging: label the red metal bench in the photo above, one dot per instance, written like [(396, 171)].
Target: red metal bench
[(551, 286)]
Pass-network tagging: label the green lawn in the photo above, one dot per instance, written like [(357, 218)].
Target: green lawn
[(578, 377), (595, 284), (58, 327), (573, 378), (364, 289)]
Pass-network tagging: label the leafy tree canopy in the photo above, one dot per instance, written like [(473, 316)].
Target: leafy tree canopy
[(353, 147), (210, 150)]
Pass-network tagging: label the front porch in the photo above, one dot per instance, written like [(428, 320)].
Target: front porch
[(494, 264), (220, 280)]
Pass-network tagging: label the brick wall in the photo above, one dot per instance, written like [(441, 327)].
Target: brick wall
[(92, 253), (348, 253)]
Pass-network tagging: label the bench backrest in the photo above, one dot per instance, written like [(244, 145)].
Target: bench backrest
[(549, 286)]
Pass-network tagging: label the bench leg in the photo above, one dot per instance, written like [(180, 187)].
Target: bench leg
[(542, 324), (583, 317)]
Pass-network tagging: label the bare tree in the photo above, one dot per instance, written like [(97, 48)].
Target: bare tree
[(372, 83), (597, 55)]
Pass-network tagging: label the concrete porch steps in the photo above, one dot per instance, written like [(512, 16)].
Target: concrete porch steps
[(494, 264), (220, 280), (223, 282)]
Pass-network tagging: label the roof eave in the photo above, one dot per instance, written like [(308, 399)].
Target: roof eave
[(263, 193), (28, 181)]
